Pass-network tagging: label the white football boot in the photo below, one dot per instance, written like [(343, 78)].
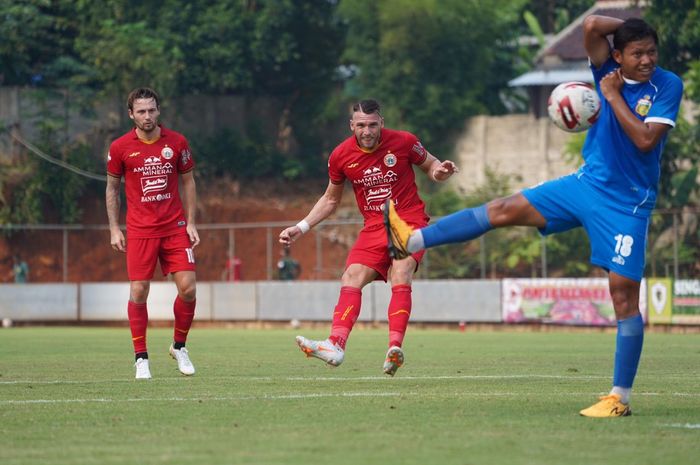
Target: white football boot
[(393, 361), (183, 360), (142, 369), (324, 350)]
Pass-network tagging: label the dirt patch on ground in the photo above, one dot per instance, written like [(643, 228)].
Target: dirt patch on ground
[(91, 259)]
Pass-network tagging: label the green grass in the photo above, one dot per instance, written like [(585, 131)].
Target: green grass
[(67, 396)]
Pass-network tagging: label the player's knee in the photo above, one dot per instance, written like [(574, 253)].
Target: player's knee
[(500, 212), (357, 276), (188, 292), (139, 291), (624, 301), (402, 275)]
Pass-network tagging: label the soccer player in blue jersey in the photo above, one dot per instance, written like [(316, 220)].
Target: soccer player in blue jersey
[(611, 196)]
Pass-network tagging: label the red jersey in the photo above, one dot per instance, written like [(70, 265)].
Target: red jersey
[(151, 171), (384, 173)]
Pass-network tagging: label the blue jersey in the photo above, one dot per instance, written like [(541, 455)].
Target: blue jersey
[(614, 166)]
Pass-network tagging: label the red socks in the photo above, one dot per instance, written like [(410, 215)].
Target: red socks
[(184, 314), (138, 321), (399, 312), (346, 312)]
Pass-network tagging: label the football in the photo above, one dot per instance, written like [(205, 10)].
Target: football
[(573, 106)]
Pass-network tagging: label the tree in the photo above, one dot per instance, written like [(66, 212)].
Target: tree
[(432, 63)]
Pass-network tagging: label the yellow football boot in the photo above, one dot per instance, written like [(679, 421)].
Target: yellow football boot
[(607, 407), (397, 230)]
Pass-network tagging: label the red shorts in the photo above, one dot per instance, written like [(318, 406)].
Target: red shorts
[(370, 249), (174, 252)]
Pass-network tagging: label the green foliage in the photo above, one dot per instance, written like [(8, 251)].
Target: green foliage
[(431, 63), (48, 194), (552, 16), (534, 27)]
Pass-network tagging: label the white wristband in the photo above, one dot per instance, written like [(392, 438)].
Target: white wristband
[(304, 226)]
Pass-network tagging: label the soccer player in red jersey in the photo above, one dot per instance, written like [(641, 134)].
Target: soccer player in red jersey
[(378, 163), (159, 224)]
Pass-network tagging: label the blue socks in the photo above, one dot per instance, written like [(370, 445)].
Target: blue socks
[(461, 226), (630, 337)]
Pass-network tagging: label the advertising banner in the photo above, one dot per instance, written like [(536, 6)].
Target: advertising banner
[(567, 301), (660, 300), (686, 301)]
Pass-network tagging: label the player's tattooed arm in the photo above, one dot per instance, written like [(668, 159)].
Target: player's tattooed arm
[(117, 240)]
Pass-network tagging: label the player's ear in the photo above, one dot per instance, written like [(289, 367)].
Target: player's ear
[(617, 56), (131, 114)]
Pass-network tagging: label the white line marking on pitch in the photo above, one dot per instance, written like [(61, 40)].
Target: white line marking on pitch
[(315, 378), (319, 396), (205, 399), (683, 425)]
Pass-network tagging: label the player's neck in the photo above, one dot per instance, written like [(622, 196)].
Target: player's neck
[(148, 136)]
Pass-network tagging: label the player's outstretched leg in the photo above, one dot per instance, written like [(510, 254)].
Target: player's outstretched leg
[(325, 350), (393, 361), (607, 407), (182, 357), (142, 369), (397, 230)]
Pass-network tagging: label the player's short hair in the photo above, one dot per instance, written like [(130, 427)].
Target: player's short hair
[(367, 106), (631, 30), (139, 93)]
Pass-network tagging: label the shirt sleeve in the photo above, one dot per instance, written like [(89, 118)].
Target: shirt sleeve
[(667, 102), (335, 171), (115, 166), (416, 152), (186, 162), (598, 73)]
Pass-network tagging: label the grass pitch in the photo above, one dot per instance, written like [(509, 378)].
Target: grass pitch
[(67, 396)]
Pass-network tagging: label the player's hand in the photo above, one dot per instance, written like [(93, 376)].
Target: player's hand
[(117, 240), (611, 84), (193, 234), (290, 235), (443, 171)]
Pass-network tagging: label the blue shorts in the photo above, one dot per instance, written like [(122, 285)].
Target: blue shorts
[(618, 240)]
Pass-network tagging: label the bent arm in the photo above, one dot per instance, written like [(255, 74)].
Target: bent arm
[(643, 135), (324, 207), (595, 37), (437, 170)]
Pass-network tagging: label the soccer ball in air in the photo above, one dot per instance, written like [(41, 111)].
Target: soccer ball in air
[(573, 106)]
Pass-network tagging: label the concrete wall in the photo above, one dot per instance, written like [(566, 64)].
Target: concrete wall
[(45, 302), (517, 145), (433, 301)]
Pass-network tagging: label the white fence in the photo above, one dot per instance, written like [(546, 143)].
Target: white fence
[(433, 301)]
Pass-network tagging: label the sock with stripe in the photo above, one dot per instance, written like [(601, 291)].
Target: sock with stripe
[(630, 338), (399, 313), (345, 314), (138, 322), (460, 226), (184, 314)]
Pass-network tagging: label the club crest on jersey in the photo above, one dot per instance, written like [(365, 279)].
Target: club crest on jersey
[(643, 105), (167, 152), (389, 159)]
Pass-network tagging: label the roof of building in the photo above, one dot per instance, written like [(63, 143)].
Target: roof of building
[(564, 58)]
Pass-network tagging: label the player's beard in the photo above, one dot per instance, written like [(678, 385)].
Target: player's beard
[(147, 127), (369, 143)]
